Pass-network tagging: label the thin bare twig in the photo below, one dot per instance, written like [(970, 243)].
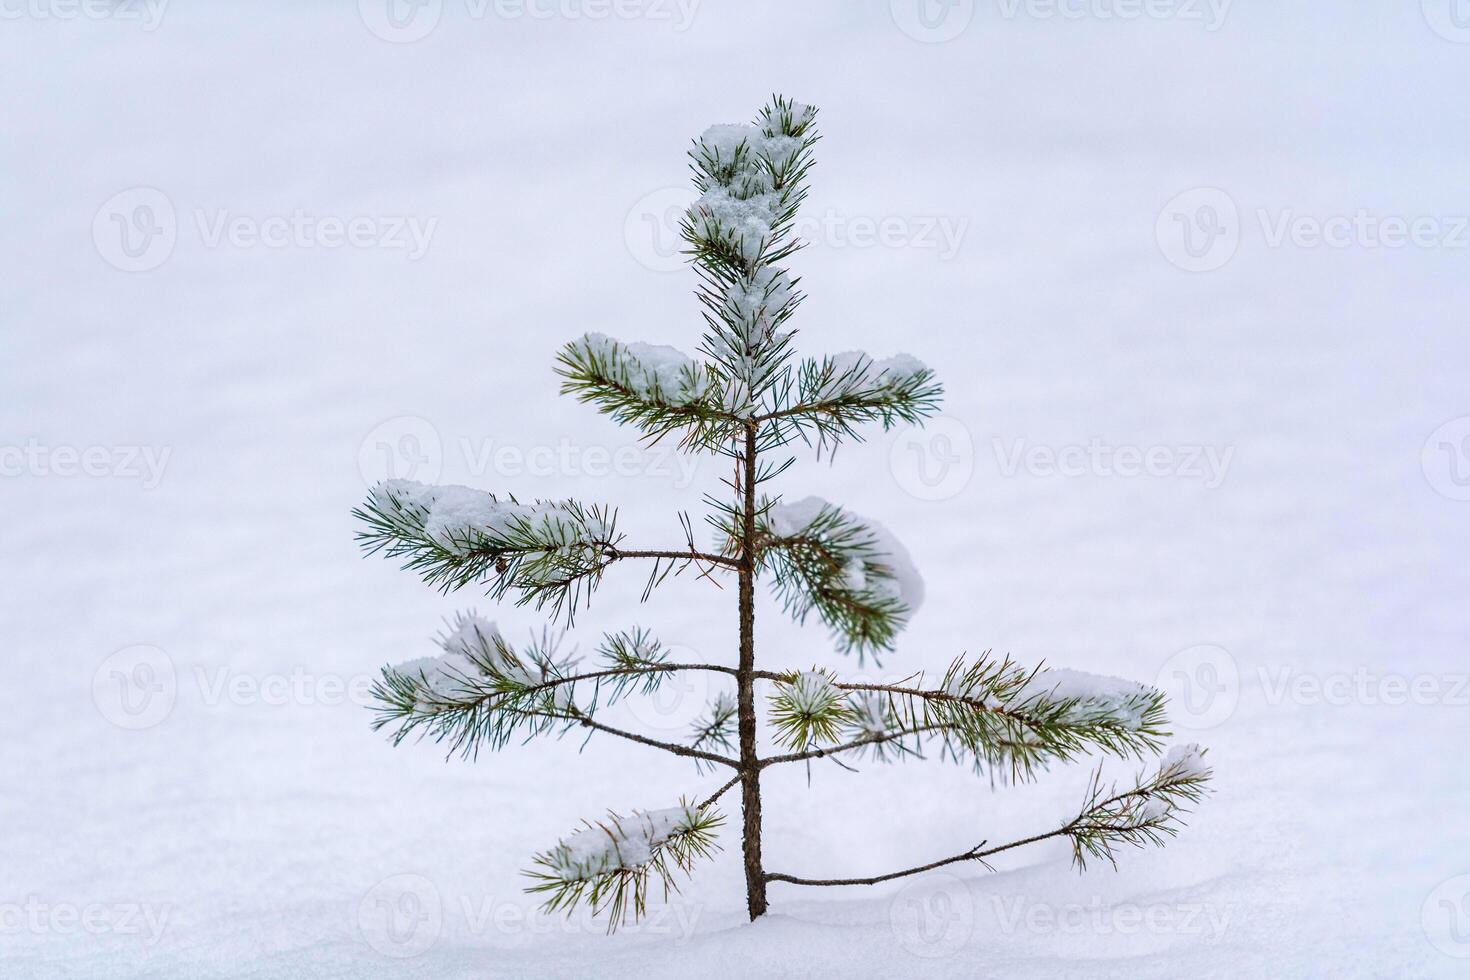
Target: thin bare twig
[(856, 743), (973, 854), (673, 747), (719, 792), (616, 553)]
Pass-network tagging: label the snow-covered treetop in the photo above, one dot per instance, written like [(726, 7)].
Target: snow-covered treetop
[(739, 233)]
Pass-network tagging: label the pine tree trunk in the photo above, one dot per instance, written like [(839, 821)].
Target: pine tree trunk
[(755, 876)]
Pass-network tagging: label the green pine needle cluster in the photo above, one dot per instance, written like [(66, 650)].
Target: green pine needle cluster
[(551, 560), (1148, 813), (617, 885), (835, 567)]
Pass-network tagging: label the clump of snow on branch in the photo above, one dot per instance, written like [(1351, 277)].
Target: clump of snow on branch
[(472, 644), (807, 708), (457, 517), (883, 568), (812, 692), (1185, 760), (475, 656), (1122, 701), (654, 372), (868, 714), (621, 843), (746, 162), (856, 371), (754, 302)]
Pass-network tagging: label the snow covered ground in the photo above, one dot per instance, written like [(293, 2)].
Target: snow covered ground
[(1196, 280)]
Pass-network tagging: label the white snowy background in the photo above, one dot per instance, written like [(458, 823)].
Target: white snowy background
[(192, 406)]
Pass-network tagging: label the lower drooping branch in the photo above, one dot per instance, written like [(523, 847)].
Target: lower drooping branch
[(977, 853)]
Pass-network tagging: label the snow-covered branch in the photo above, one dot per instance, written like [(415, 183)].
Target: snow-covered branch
[(548, 553), (1001, 717), (480, 692), (611, 864), (655, 388), (851, 571), (834, 395)]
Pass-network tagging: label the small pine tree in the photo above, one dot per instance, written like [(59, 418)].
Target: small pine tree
[(746, 398)]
